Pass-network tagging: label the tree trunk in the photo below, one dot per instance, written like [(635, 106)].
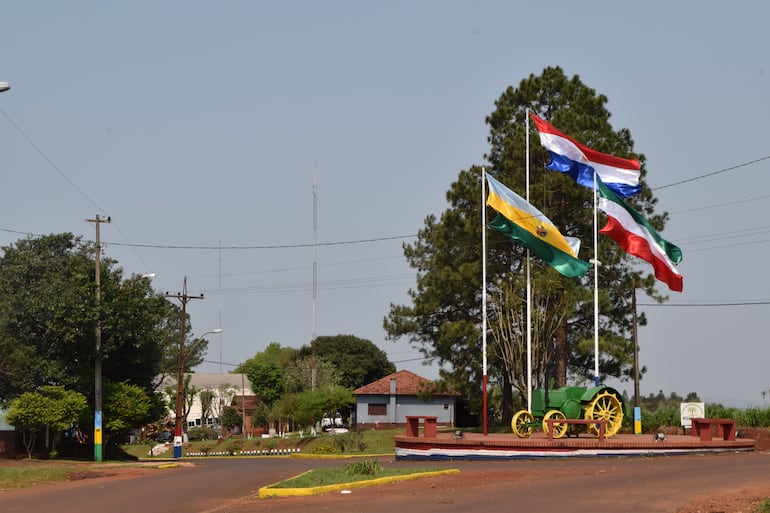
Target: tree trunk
[(561, 357), (507, 396)]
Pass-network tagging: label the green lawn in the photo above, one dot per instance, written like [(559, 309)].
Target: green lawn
[(348, 444)]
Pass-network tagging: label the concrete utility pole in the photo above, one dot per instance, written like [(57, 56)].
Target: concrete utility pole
[(98, 334), (183, 299)]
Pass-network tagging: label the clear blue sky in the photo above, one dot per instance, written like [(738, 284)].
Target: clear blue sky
[(198, 124)]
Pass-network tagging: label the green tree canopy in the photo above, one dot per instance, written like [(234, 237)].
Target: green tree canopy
[(51, 406), (48, 315), (444, 317), (357, 361)]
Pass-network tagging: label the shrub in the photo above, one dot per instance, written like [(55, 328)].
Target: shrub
[(349, 441), (364, 468), (233, 448), (324, 449), (201, 433)]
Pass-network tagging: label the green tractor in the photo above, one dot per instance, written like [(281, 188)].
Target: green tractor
[(595, 403)]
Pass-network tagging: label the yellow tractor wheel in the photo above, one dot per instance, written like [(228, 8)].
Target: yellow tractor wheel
[(522, 423), (559, 430), (605, 406)]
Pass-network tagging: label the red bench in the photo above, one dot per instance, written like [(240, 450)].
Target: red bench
[(702, 428), (602, 423), (429, 425)]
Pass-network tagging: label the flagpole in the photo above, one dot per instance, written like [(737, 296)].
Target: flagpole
[(529, 292), (596, 290), (484, 295)]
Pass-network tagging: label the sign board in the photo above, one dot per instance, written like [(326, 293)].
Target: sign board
[(689, 411)]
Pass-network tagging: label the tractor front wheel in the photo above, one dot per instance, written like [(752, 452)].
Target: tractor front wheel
[(605, 406), (522, 423), (559, 429)]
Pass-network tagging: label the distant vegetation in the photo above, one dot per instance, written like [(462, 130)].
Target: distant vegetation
[(660, 410)]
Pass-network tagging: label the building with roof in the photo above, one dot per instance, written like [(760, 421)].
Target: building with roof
[(228, 389), (387, 402)]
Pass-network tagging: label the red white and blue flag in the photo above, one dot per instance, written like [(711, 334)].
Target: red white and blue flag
[(580, 162)]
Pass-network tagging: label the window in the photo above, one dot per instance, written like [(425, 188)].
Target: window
[(446, 406), (377, 409)]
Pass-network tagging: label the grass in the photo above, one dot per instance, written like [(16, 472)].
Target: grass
[(33, 474), (363, 443), (763, 507), (352, 473)]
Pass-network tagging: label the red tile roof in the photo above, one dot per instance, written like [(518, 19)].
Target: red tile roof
[(407, 383)]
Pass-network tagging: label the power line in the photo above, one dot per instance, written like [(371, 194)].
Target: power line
[(711, 173), (708, 305)]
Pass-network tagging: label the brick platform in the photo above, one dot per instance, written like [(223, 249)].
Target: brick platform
[(508, 446)]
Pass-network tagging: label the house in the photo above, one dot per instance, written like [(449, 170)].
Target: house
[(227, 390), (7, 437), (387, 402)]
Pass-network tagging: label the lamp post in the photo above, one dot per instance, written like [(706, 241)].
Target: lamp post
[(4, 86)]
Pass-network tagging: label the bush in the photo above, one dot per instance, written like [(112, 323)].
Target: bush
[(233, 448), (201, 433), (349, 441), (364, 468)]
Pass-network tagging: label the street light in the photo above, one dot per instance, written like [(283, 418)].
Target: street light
[(4, 86)]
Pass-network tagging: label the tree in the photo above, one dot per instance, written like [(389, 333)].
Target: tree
[(266, 380), (51, 406), (188, 397), (125, 407), (48, 315), (231, 418), (357, 361), (444, 317), (310, 406)]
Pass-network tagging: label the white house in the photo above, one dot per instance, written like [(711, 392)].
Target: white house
[(227, 389), (387, 402)]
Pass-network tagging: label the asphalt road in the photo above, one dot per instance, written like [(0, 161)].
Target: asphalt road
[(567, 485)]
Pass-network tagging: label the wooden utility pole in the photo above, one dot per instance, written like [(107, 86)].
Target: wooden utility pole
[(98, 335), (183, 299)]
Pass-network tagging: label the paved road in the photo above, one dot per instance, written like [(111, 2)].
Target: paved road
[(572, 485)]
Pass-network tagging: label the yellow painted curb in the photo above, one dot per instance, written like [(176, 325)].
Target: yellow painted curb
[(267, 491), (168, 465)]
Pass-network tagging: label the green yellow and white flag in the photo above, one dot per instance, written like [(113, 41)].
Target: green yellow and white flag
[(522, 222)]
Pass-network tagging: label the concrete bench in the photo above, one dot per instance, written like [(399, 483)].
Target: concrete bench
[(429, 425), (702, 427), (602, 423)]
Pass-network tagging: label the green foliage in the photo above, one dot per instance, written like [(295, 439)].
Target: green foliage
[(325, 448), (199, 433), (266, 378), (52, 406), (357, 361), (753, 417), (369, 467), (231, 417), (763, 507), (49, 314), (349, 442), (125, 407), (233, 447)]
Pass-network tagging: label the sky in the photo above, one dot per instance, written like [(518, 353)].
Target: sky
[(198, 128)]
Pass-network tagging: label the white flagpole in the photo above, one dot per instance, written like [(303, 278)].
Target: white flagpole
[(529, 294), (596, 291), (484, 294)]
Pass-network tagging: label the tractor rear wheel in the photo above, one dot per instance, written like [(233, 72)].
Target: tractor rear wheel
[(521, 423), (605, 406), (559, 430)]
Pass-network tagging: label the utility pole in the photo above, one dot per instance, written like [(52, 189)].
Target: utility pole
[(98, 335), (315, 272), (183, 299), (637, 398)]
